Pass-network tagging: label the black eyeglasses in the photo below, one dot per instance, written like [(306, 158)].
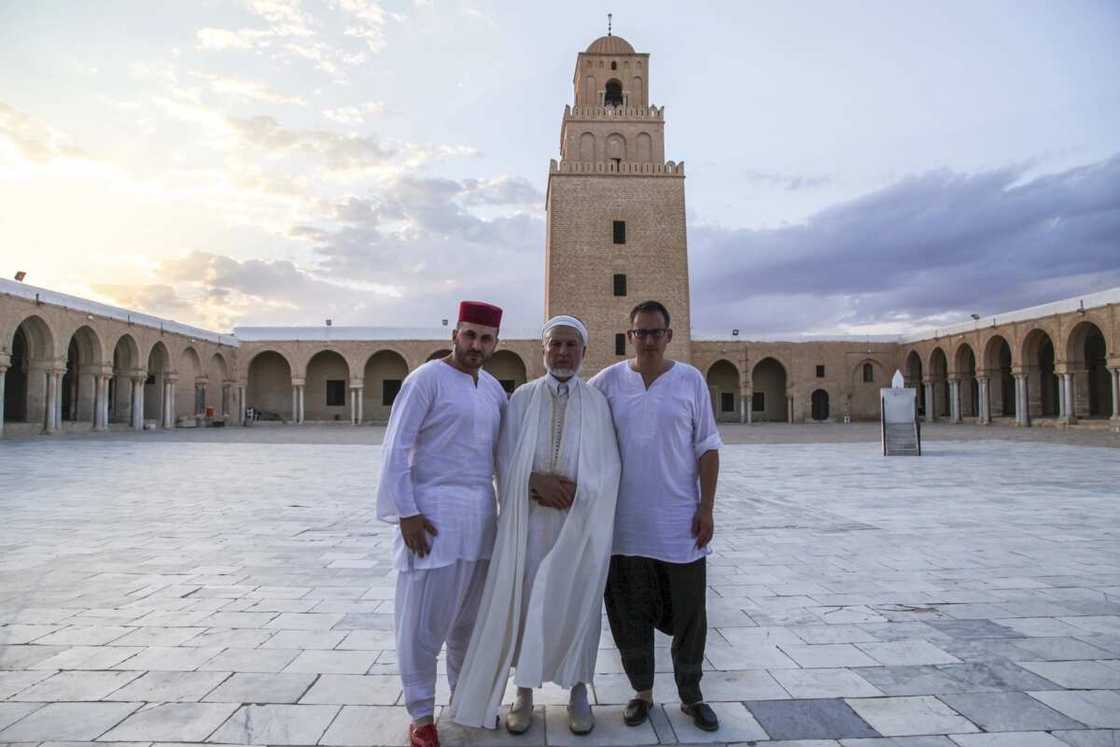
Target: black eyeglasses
[(653, 334)]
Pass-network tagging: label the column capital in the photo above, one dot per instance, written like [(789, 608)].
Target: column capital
[(5, 360), (297, 381), (170, 378), (357, 383)]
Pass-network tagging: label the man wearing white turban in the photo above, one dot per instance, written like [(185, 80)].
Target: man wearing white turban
[(558, 472)]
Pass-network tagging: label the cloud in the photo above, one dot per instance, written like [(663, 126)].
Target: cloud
[(338, 152), (350, 116), (935, 244), (788, 182), (32, 139), (247, 89), (292, 32)]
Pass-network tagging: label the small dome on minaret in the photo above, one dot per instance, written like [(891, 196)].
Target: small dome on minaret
[(610, 45)]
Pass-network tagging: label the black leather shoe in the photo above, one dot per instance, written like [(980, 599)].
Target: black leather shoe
[(702, 716), (637, 711)]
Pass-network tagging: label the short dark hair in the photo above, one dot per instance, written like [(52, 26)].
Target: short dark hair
[(650, 306)]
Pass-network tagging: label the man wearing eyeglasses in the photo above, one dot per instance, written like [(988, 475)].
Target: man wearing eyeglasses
[(669, 445)]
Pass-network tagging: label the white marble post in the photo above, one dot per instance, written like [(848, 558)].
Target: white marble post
[(1069, 413), (1115, 392), (361, 404), (353, 408), (50, 407), (1022, 401), (138, 403), (954, 401), (300, 421), (931, 409), (101, 403), (3, 378), (749, 397), (985, 404), (240, 405), (295, 403)]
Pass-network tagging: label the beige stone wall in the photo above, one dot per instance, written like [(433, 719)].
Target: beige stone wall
[(581, 258)]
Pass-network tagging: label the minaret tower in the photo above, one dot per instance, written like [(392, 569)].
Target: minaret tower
[(616, 223)]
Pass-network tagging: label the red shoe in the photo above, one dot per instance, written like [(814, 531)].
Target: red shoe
[(423, 736)]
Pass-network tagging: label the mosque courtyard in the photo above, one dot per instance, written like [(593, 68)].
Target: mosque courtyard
[(233, 586)]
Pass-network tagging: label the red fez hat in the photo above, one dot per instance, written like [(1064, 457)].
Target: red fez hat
[(477, 312)]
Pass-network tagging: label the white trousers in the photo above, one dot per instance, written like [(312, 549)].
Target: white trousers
[(433, 607)]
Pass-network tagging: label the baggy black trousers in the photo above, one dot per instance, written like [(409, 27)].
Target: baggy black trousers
[(643, 594)]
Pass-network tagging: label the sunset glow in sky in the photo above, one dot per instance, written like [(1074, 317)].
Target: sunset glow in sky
[(852, 168)]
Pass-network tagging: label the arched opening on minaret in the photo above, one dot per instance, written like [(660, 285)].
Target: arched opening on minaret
[(612, 96)]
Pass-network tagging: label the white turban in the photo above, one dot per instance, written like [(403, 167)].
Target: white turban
[(565, 321)]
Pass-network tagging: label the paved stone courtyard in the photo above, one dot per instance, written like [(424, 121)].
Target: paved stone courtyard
[(164, 589)]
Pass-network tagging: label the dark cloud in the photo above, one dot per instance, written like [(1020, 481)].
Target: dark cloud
[(935, 244)]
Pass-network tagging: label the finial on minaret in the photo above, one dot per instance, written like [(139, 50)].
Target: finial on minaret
[(609, 23)]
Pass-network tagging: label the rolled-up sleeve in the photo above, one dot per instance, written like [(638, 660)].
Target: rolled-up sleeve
[(705, 433), (395, 491)]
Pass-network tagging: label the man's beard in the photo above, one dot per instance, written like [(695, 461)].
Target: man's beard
[(563, 373), (462, 355)]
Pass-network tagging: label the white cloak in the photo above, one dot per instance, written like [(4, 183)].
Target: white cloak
[(561, 628)]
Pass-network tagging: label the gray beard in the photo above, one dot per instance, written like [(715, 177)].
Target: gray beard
[(563, 373)]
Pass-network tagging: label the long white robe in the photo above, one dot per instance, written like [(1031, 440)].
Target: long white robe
[(559, 633)]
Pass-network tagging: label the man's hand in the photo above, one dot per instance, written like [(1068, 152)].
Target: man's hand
[(703, 527), (552, 491), (415, 531)]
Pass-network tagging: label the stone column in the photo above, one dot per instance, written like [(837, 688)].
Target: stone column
[(240, 404), (748, 397), (353, 408), (50, 406), (1022, 400), (1068, 411), (295, 403), (169, 402), (985, 403), (101, 404), (789, 409), (3, 378), (955, 401), (300, 421), (137, 402), (361, 403), (931, 407), (1115, 392)]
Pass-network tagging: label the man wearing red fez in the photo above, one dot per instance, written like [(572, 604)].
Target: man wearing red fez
[(437, 485)]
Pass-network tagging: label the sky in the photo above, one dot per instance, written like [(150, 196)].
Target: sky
[(853, 168)]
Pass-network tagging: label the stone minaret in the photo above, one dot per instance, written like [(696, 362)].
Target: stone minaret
[(616, 225)]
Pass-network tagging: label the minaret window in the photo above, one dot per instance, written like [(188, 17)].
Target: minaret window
[(613, 94), (619, 284), (620, 232), (614, 65), (620, 343)]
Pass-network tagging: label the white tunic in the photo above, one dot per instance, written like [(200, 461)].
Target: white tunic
[(662, 433), (557, 453), (438, 460)]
